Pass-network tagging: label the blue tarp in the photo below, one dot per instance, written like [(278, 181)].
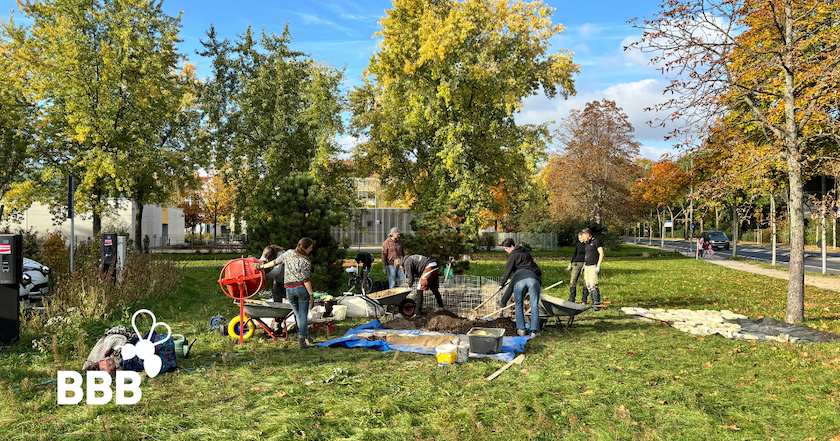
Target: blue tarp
[(510, 345)]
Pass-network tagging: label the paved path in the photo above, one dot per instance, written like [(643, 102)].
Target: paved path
[(831, 283), (751, 251)]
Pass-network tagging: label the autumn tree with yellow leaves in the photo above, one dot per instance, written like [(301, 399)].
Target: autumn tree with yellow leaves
[(114, 101), (776, 63), (437, 104)]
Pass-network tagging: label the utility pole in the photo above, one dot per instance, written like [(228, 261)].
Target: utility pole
[(773, 228)]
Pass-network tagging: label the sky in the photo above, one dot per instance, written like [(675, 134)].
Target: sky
[(340, 33)]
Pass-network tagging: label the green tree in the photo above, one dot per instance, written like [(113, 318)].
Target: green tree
[(15, 131), (437, 106), (294, 207), (271, 111), (437, 234), (105, 77)]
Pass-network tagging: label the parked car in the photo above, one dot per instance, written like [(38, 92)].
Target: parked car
[(36, 280), (718, 240)]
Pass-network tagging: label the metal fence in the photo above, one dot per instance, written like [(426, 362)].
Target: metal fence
[(371, 227), (537, 241)]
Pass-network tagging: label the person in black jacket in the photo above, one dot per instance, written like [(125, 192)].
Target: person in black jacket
[(593, 258), (527, 278), (426, 271), (576, 268)]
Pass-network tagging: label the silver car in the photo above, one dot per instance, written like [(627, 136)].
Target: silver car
[(36, 280)]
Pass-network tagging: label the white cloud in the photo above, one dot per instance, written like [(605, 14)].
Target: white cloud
[(633, 98), (589, 30), (313, 19)]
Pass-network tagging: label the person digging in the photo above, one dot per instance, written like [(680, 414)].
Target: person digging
[(527, 279), (426, 272)]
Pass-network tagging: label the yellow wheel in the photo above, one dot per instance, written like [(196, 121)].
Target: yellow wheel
[(233, 328)]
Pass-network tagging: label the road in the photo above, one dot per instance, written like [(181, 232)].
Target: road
[(813, 260)]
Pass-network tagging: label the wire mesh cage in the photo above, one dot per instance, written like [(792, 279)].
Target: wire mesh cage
[(463, 293)]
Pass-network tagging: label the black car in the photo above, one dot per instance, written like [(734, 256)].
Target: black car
[(718, 239)]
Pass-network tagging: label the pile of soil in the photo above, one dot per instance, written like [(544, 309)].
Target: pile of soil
[(444, 321)]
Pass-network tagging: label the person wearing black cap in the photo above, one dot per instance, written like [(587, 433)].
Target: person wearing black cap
[(392, 252), (527, 278), (593, 257)]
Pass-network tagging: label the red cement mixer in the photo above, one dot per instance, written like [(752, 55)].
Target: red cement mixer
[(240, 281)]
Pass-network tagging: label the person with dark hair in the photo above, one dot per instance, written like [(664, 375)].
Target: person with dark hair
[(278, 291), (298, 284), (576, 268), (593, 257), (426, 272), (392, 253), (527, 278)]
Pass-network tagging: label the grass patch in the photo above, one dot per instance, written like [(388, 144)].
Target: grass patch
[(611, 377)]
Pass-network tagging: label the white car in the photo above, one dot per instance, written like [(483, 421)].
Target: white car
[(35, 283)]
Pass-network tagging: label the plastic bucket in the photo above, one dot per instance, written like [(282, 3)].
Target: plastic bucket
[(463, 353), (339, 312), (446, 354)]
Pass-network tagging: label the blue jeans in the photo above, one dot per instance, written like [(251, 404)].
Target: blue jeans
[(299, 298), (396, 277), (532, 287)]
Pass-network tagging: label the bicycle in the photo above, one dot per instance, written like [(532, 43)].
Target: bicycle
[(363, 280)]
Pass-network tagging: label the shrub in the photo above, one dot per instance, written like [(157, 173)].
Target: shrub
[(434, 237), (87, 295), (296, 207)]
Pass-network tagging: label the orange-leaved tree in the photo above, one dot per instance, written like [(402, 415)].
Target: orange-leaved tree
[(217, 201), (662, 187), (589, 176)]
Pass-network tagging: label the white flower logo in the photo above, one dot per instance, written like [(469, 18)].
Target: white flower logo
[(145, 349)]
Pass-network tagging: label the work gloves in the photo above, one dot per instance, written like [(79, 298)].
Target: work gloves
[(257, 266), (598, 269), (569, 268)]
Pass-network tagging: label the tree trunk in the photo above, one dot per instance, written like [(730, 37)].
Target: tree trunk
[(795, 312), (2, 208), (97, 216), (717, 219), (138, 222)]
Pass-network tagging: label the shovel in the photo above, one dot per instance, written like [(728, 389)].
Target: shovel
[(474, 313), (497, 311), (512, 304), (518, 360)]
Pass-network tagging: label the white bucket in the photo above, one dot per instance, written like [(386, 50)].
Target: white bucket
[(446, 354), (339, 312), (463, 353)]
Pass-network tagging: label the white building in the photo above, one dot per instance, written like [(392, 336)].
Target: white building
[(163, 225)]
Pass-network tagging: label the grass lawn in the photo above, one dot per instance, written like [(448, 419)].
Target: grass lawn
[(611, 377)]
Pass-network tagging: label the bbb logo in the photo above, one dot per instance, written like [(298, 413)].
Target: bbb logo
[(126, 381)]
